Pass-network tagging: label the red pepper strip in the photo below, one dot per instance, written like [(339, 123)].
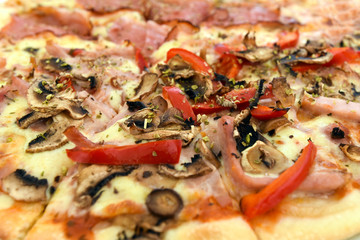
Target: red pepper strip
[(229, 65), (196, 62), (75, 136), (240, 96), (341, 55), (159, 152), (179, 101), (264, 113), (67, 83), (75, 52), (222, 48), (140, 60), (288, 39), (253, 205)]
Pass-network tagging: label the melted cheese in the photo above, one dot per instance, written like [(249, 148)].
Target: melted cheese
[(48, 164), (5, 201), (107, 232), (123, 192)]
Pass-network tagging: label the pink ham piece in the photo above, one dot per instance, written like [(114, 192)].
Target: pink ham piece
[(244, 13), (194, 11), (47, 19), (104, 6), (337, 107), (320, 180), (146, 36)]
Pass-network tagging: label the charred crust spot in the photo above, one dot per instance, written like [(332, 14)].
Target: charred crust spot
[(355, 93), (30, 180), (337, 133), (235, 155), (135, 106), (138, 141), (247, 137), (258, 94), (170, 166), (216, 118), (94, 199), (147, 174)]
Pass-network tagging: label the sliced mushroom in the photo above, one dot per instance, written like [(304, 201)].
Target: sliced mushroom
[(33, 116), (180, 68), (263, 159), (44, 97), (55, 65), (24, 187), (254, 53), (148, 84), (186, 135), (351, 151), (164, 203), (172, 116), (53, 137), (194, 84), (207, 153), (197, 167), (145, 120), (283, 92), (91, 179), (158, 103), (273, 125), (324, 57)]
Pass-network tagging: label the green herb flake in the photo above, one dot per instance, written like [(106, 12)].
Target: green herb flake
[(154, 154)]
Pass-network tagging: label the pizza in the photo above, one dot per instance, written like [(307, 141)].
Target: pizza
[(172, 119)]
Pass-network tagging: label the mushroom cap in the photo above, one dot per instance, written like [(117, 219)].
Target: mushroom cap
[(164, 203)]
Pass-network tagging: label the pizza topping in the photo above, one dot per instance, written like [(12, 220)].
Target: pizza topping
[(24, 187), (324, 57), (197, 167), (42, 19), (172, 119), (253, 53), (265, 200), (145, 120), (32, 117), (159, 152), (43, 96), (52, 138), (161, 134), (148, 84), (55, 65), (262, 158), (264, 113), (351, 151), (207, 153), (337, 133), (283, 92), (93, 178), (164, 203), (134, 106), (273, 125), (179, 101)]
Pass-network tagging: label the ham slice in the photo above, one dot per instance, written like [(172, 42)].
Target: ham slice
[(47, 19), (337, 107), (320, 180), (147, 36), (194, 11), (104, 6), (243, 13)]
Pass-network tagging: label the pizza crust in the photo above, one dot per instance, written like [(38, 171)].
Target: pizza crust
[(226, 229), (326, 219)]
